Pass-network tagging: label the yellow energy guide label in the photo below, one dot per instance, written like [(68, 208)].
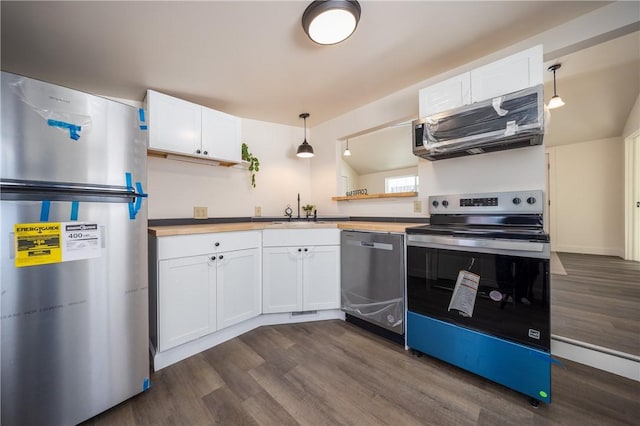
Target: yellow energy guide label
[(52, 242)]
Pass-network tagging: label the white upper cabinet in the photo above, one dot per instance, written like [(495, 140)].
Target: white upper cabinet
[(221, 135), (182, 127), (452, 93), (174, 124), (516, 72)]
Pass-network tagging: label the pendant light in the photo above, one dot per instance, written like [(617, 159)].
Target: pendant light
[(347, 153), (556, 101), (331, 21), (305, 150)]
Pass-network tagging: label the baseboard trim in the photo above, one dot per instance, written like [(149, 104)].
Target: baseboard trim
[(602, 251), (612, 361), (179, 353)]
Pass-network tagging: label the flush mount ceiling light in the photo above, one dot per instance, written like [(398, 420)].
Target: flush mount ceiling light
[(331, 21), (305, 150), (347, 153), (556, 101)]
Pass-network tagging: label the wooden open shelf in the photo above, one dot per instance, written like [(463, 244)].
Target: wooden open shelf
[(373, 196), (193, 158)]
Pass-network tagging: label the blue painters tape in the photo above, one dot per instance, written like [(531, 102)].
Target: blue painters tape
[(129, 182), (142, 119), (73, 129), (74, 210), (44, 211), (146, 384)]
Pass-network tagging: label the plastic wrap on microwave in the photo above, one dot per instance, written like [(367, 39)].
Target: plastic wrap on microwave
[(387, 313), (516, 115)]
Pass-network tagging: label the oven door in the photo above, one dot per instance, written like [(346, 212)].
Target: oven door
[(512, 296)]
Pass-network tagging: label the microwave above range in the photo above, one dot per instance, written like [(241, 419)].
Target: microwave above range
[(514, 120)]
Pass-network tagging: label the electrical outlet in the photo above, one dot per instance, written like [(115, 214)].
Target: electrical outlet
[(200, 213), (257, 211), (417, 206)]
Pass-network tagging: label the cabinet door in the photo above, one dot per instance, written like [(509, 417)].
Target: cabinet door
[(321, 279), (187, 300), (221, 135), (174, 124), (238, 279), (452, 93), (515, 72), (281, 279)]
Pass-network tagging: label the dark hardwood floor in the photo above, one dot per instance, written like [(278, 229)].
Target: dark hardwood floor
[(598, 301), (333, 373)]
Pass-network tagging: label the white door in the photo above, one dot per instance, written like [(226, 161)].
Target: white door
[(452, 93), (238, 286), (321, 278), (186, 292), (281, 279), (632, 230), (515, 72), (221, 135), (174, 124)]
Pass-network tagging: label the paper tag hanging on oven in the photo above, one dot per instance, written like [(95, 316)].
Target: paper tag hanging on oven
[(464, 294)]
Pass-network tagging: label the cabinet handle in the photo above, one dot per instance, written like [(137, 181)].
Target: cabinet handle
[(213, 258), (299, 250), (217, 244), (205, 153), (306, 249), (221, 257), (197, 151)]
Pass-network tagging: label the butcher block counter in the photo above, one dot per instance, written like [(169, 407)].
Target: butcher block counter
[(163, 231)]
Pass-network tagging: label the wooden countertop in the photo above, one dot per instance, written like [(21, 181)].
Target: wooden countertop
[(164, 231)]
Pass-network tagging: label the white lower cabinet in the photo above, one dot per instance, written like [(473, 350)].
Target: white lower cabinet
[(238, 286), (303, 276), (202, 293), (187, 300)]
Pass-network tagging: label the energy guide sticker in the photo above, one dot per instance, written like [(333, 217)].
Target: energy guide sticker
[(43, 243), (37, 243)]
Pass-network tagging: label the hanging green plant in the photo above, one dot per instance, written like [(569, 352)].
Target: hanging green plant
[(254, 163)]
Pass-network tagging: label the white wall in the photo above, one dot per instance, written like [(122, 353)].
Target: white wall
[(353, 179), (175, 187), (375, 182), (587, 197), (633, 122)]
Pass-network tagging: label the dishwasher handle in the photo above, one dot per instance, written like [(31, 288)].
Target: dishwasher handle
[(370, 245)]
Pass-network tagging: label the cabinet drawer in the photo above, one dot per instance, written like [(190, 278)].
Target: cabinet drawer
[(300, 237), (175, 246)]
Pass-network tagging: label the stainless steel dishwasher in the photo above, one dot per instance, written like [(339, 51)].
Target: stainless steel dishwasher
[(373, 281)]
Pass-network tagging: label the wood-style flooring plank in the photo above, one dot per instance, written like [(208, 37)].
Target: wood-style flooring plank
[(598, 301), (335, 373)]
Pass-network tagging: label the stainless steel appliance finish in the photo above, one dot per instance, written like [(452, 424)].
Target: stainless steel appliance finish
[(373, 278), (74, 336), (498, 236), (513, 120)]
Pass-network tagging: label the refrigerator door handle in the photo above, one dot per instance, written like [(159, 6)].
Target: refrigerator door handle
[(52, 191)]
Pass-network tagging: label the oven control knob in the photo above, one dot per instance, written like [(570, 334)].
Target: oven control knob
[(445, 203), (435, 203), (531, 200), (517, 201)]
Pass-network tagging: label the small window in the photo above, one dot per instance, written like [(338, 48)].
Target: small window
[(401, 184)]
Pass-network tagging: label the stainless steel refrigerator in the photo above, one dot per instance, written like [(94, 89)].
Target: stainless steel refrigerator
[(74, 297)]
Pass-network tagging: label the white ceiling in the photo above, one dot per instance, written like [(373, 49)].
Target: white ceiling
[(252, 59)]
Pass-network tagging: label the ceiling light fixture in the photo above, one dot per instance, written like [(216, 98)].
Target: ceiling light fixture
[(347, 153), (331, 21), (305, 150), (556, 101)]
